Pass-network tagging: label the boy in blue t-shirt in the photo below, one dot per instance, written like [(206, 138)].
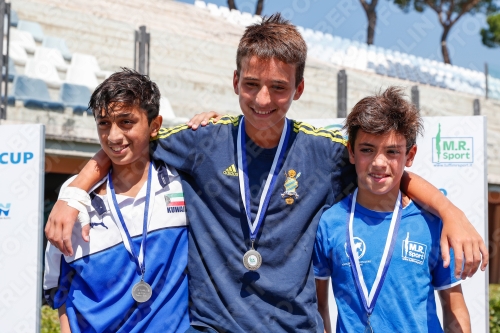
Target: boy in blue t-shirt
[(132, 276), (388, 284)]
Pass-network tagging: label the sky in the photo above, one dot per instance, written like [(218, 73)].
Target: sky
[(414, 33)]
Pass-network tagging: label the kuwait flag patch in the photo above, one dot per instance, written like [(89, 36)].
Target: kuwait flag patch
[(175, 202)]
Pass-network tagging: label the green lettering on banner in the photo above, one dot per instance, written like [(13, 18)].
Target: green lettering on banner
[(448, 145)]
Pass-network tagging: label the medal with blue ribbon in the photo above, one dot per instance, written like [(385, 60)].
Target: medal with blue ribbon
[(369, 299), (252, 258), (141, 291)]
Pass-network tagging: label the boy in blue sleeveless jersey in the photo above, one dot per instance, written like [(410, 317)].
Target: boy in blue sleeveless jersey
[(131, 277), (255, 187), (380, 248)]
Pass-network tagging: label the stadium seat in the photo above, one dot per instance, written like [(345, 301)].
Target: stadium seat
[(75, 96), (381, 70), (256, 19), (33, 28), (43, 70), (17, 53), (167, 112), (14, 19), (391, 69), (200, 4), (59, 44), (34, 94), (87, 61), (24, 38), (355, 54), (234, 16), (52, 56), (246, 19), (12, 70), (81, 76), (224, 11), (214, 9)]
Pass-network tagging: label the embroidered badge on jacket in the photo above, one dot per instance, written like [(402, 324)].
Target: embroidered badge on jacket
[(291, 185)]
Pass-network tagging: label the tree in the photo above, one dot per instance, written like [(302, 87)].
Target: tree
[(449, 12), (491, 36), (258, 9), (371, 15)]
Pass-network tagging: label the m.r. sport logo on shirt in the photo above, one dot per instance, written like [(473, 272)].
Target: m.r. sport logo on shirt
[(452, 151), (175, 202), (413, 251)]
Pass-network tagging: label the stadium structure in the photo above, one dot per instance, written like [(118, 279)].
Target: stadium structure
[(59, 51)]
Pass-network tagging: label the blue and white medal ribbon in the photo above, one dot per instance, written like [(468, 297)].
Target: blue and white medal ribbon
[(141, 291), (252, 259), (369, 299)]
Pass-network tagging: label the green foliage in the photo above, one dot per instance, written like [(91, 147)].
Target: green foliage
[(50, 320), (444, 6), (491, 36), (494, 308)]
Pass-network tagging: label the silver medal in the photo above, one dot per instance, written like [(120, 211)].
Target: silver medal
[(142, 292), (252, 260)]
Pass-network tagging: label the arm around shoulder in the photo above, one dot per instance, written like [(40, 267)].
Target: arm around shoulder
[(457, 233), (62, 218)]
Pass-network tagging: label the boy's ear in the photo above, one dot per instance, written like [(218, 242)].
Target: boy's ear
[(351, 153), (155, 126), (411, 156), (299, 90), (236, 80)]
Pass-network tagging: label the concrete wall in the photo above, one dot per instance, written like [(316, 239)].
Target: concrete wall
[(193, 59)]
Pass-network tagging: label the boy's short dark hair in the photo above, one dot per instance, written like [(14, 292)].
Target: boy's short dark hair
[(382, 113), (276, 38), (126, 88)]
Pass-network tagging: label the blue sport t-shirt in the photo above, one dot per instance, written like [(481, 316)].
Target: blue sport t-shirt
[(406, 301), (281, 295)]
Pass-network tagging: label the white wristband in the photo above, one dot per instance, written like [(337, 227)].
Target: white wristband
[(76, 194), (83, 214)]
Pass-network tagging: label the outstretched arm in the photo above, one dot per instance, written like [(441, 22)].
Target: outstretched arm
[(62, 218), (457, 233)]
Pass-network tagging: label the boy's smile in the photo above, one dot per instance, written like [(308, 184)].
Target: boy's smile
[(124, 133), (266, 89), (380, 161)]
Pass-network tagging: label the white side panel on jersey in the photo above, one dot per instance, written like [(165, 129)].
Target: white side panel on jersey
[(452, 156), (21, 226)]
